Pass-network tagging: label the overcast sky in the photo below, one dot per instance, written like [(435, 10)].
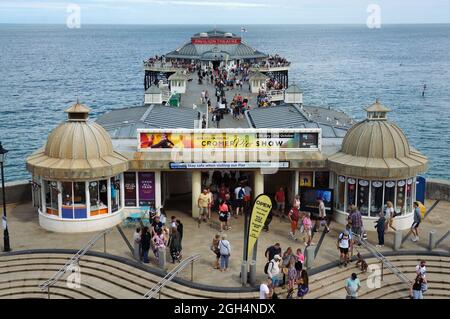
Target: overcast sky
[(225, 11)]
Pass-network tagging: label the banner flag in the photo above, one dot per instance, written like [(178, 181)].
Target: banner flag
[(260, 212)]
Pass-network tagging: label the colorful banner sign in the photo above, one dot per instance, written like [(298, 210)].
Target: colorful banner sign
[(260, 212), (130, 189), (146, 189), (149, 140)]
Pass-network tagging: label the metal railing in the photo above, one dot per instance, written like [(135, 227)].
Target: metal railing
[(440, 241), (171, 275), (384, 262), (74, 260)]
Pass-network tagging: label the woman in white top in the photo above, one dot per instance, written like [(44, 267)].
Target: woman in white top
[(225, 253), (389, 214)]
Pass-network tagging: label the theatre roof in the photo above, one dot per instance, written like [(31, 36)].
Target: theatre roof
[(216, 45), (123, 123), (334, 124)]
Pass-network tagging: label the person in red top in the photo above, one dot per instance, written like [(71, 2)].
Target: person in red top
[(294, 217), (223, 191), (280, 199)]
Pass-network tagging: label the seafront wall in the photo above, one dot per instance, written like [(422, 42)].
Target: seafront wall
[(20, 191)]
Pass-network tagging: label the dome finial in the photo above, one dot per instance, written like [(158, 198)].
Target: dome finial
[(377, 111), (78, 112)]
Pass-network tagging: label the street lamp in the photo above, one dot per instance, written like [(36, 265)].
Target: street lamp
[(6, 247)]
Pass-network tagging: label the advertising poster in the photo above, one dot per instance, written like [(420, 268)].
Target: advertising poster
[(228, 140), (146, 189), (130, 189), (260, 212)]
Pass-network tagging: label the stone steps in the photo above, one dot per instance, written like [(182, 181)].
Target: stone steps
[(97, 275)]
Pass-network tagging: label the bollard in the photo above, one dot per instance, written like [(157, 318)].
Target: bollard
[(309, 256), (398, 238), (244, 273), (432, 242), (162, 257), (253, 273)]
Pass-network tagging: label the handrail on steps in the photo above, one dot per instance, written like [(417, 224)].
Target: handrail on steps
[(73, 261), (384, 261), (170, 276)]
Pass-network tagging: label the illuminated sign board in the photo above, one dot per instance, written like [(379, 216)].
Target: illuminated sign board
[(215, 41), (230, 139)]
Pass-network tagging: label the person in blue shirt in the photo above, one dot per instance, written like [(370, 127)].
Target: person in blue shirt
[(352, 286), (417, 221)]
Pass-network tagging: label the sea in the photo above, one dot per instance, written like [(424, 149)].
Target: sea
[(46, 68)]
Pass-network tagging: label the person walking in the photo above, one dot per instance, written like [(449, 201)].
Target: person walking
[(286, 260), (239, 193), (307, 229), (145, 242), (137, 244), (294, 216), (380, 226), (225, 253), (224, 213), (389, 214), (280, 199), (175, 245), (352, 286), (272, 251), (417, 221), (203, 204), (322, 221)]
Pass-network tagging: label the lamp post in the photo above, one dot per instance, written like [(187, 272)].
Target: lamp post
[(6, 247)]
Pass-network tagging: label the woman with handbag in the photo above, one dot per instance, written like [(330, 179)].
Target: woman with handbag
[(225, 253), (215, 249)]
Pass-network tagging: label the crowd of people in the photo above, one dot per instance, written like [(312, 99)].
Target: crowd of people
[(284, 270), (157, 237)]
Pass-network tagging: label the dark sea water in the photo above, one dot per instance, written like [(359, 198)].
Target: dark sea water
[(44, 68)]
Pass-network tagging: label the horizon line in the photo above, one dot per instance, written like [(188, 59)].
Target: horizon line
[(228, 24)]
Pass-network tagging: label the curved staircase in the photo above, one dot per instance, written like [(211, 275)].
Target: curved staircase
[(104, 277)]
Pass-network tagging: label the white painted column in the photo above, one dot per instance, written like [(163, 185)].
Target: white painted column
[(43, 203), (88, 200), (60, 199), (122, 191), (108, 183), (259, 183), (196, 191), (296, 182), (158, 190)]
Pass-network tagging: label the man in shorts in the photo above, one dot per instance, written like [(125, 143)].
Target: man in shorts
[(204, 200), (322, 221), (417, 221), (239, 194), (343, 244)]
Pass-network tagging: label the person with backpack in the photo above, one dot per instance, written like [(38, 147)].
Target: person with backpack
[(225, 253), (239, 193), (294, 216), (343, 245), (224, 212), (416, 288), (273, 270)]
